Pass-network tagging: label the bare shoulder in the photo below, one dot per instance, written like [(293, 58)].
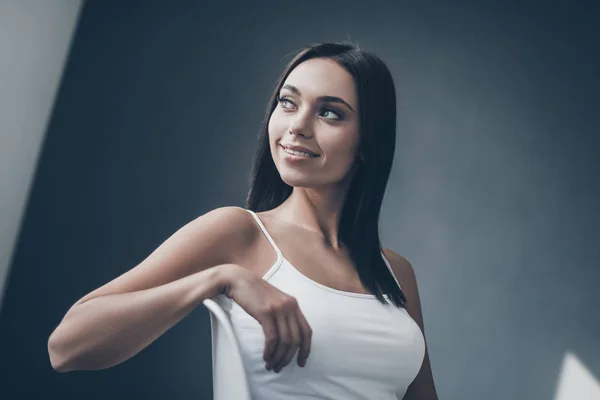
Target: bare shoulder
[(400, 265), (228, 222), (229, 231), (406, 276)]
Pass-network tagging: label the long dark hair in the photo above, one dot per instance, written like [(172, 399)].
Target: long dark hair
[(359, 225)]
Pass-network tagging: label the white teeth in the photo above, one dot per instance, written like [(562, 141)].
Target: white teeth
[(297, 153)]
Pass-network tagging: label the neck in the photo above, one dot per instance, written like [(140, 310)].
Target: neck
[(317, 209)]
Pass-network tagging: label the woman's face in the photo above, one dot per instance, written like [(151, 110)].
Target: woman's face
[(317, 110)]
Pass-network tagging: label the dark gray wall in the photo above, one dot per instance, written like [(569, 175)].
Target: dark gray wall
[(493, 196), (35, 38)]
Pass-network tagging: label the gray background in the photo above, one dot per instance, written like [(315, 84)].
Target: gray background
[(35, 37), (493, 196)]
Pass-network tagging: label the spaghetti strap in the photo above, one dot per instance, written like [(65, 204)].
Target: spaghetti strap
[(280, 255), (390, 268), (262, 227)]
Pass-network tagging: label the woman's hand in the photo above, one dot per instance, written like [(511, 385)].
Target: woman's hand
[(285, 327)]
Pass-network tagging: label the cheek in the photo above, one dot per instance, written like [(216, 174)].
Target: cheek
[(276, 124), (343, 143), (275, 127), (274, 130)]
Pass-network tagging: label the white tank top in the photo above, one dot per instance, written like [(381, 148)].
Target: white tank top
[(360, 349)]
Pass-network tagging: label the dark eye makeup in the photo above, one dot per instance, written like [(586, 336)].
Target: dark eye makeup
[(284, 100)]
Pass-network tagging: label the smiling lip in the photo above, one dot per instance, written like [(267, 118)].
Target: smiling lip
[(299, 148)]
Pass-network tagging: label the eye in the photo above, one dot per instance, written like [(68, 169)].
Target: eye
[(337, 115), (285, 101)]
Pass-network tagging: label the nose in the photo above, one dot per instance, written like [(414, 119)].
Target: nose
[(300, 124)]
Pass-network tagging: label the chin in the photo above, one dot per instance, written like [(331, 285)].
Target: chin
[(295, 180)]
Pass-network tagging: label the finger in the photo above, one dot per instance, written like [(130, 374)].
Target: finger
[(270, 330), (305, 339), (295, 343), (284, 340)]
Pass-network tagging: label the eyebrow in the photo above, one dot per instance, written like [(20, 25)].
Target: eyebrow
[(329, 99)]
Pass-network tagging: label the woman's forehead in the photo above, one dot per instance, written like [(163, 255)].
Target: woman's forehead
[(322, 77)]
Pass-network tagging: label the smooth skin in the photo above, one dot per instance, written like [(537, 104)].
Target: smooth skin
[(331, 130), (199, 261), (213, 253)]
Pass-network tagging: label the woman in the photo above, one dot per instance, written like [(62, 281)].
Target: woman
[(301, 269)]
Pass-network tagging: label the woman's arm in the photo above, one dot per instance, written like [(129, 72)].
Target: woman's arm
[(108, 330), (119, 319), (422, 388)]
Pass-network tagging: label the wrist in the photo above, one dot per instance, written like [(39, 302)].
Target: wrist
[(223, 277)]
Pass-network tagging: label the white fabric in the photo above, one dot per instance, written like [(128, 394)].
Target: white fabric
[(361, 349), (229, 376)]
